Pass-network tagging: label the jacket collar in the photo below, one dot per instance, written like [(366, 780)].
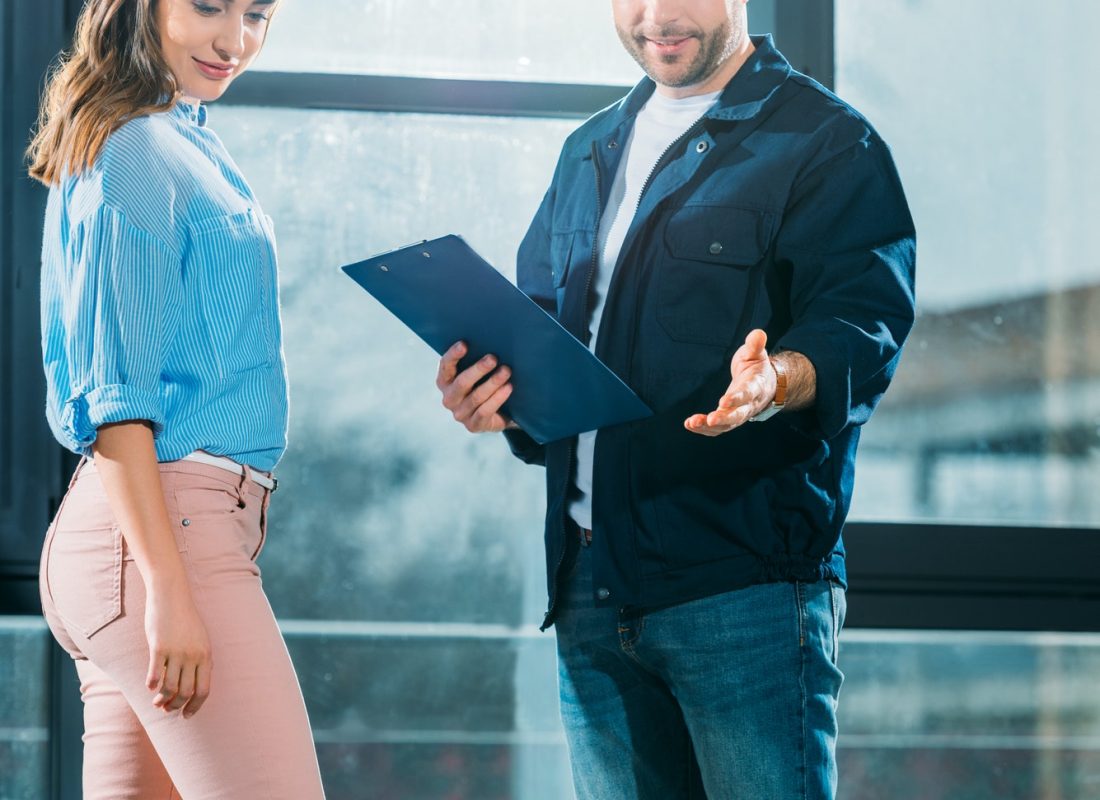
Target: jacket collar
[(744, 96)]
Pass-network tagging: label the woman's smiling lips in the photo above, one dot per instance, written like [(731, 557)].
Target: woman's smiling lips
[(217, 70)]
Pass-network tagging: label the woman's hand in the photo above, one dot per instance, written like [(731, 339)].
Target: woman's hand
[(179, 648), (180, 660)]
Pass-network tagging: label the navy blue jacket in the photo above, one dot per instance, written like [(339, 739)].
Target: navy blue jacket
[(780, 209)]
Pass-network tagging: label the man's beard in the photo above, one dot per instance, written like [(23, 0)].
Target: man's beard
[(715, 48)]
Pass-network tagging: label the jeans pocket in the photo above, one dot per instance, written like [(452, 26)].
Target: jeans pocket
[(84, 576)]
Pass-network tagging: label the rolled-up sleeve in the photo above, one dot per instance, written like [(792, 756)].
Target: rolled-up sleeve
[(120, 310), (849, 244)]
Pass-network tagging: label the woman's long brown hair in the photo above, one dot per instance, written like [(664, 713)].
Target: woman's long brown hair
[(114, 73)]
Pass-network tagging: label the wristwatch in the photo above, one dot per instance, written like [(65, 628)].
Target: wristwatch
[(780, 399)]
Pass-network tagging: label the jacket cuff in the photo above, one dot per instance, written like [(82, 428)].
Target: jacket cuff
[(833, 374), (525, 448)]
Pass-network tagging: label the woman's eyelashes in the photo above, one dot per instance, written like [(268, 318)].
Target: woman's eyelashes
[(254, 17), (205, 9)]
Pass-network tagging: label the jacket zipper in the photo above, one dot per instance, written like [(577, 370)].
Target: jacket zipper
[(661, 161), (592, 266)]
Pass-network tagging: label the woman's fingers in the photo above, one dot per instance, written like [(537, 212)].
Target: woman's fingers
[(169, 684), (156, 668), (186, 690), (202, 690)]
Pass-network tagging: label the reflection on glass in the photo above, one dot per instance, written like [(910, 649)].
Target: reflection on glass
[(567, 41), (24, 708), (965, 715), (995, 413)]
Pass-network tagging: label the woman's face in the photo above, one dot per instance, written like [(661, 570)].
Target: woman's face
[(208, 43)]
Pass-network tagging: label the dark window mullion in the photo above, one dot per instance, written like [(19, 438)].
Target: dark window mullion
[(421, 95)]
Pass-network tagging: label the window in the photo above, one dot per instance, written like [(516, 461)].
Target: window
[(995, 413), (24, 708), (567, 41)]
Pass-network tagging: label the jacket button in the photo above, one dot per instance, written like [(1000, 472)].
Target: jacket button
[(715, 248), (603, 594), (702, 147), (186, 523), (612, 145)]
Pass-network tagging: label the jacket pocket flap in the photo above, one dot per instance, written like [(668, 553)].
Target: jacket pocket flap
[(720, 234), (561, 253)]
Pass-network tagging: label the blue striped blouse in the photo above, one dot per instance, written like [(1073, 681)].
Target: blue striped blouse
[(160, 297)]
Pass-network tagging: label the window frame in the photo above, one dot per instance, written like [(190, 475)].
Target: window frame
[(903, 575)]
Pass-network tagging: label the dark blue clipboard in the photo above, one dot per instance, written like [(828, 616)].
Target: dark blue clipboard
[(445, 292)]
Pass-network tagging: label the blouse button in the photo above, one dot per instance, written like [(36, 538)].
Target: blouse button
[(186, 522)]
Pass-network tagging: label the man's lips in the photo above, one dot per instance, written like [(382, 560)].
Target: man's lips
[(667, 45), (214, 69)]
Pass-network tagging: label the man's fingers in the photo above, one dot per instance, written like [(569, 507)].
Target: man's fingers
[(757, 343), (483, 392), (448, 365), (719, 421), (455, 394), (487, 418)]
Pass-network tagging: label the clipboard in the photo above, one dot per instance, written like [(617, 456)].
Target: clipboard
[(445, 293)]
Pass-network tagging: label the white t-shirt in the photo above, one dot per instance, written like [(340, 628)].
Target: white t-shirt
[(661, 122)]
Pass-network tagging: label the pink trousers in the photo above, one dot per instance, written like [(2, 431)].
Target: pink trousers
[(251, 740)]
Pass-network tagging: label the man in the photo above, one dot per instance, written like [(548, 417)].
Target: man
[(696, 573)]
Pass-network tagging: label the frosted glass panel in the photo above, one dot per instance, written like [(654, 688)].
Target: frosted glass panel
[(995, 413), (569, 41)]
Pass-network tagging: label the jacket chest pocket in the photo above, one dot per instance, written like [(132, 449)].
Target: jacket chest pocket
[(705, 272), (232, 261), (569, 252)]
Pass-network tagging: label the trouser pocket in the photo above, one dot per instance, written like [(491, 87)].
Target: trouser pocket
[(84, 578)]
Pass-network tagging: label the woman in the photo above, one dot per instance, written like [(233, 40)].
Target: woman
[(161, 341)]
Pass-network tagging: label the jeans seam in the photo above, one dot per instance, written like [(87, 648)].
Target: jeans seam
[(836, 623), (627, 644), (801, 607)]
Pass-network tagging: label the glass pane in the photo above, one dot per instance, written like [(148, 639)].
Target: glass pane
[(405, 556), (24, 708), (995, 413), (568, 41), (430, 711), (377, 517), (969, 715)]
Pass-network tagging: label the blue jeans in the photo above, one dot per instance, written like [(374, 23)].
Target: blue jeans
[(731, 696)]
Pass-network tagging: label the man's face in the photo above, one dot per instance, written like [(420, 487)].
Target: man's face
[(680, 43)]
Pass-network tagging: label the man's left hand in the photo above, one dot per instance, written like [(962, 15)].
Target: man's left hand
[(751, 389)]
